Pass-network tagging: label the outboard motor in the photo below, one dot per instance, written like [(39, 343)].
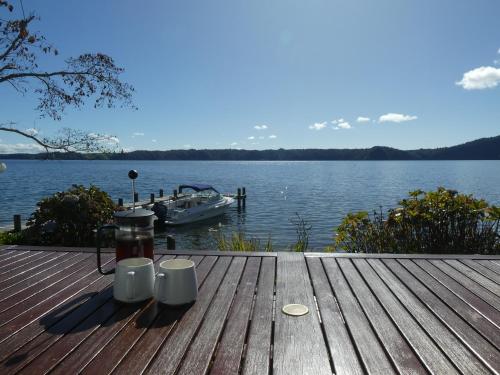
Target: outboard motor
[(160, 211)]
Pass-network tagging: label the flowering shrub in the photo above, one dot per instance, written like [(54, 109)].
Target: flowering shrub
[(441, 221), (69, 218)]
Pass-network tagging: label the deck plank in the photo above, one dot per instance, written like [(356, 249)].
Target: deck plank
[(490, 265), (299, 346), (169, 356), (140, 341), (343, 352), (17, 257), (486, 352), (49, 302), (31, 286), (401, 354), (199, 354), (56, 347), (484, 271), (369, 313), (372, 355), (461, 357), (258, 352), (467, 312), (429, 354), (56, 312), (476, 276), (479, 290), (461, 291), (20, 263), (33, 273), (20, 306), (230, 350)]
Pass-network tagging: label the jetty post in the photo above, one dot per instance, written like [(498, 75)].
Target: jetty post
[(238, 197), (244, 193), (161, 193), (175, 193), (136, 197), (17, 223), (120, 202), (152, 198), (170, 243)]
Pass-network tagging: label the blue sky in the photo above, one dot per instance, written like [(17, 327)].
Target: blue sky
[(207, 73)]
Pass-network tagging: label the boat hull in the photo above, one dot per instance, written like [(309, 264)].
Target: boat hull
[(200, 213)]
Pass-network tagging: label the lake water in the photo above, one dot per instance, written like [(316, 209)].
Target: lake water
[(320, 192)]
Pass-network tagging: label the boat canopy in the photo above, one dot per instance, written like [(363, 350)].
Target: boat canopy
[(196, 187)]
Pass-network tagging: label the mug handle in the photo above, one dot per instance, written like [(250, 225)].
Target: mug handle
[(159, 285), (98, 243), (130, 285)]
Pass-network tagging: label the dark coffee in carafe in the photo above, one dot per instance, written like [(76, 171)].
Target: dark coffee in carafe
[(139, 246)]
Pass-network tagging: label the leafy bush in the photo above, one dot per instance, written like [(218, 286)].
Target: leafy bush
[(69, 218), (11, 238), (441, 221)]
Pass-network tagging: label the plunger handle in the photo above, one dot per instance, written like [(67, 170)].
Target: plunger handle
[(132, 174)]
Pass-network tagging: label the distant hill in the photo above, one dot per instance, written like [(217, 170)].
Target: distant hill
[(480, 149)]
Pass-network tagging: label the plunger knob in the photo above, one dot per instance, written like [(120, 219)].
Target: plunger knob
[(132, 174)]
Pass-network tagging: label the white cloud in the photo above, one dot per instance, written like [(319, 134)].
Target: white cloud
[(154, 140), (496, 62), (344, 125), (113, 140), (484, 77), (334, 122), (396, 117), (234, 144), (187, 146), (498, 51), (260, 127), (29, 148), (363, 119), (318, 126), (31, 131), (252, 137), (137, 134), (272, 136)]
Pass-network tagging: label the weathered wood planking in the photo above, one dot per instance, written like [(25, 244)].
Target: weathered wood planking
[(368, 314), (299, 345), (343, 352)]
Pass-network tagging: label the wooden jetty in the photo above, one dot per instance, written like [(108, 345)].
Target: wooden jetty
[(240, 197), (368, 314)]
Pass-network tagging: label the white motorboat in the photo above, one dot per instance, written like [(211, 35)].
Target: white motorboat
[(193, 203)]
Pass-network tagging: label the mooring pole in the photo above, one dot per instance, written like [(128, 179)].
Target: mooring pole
[(170, 243), (17, 223), (120, 202), (161, 193), (152, 198)]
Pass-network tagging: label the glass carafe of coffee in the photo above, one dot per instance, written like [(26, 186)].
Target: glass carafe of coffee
[(134, 235)]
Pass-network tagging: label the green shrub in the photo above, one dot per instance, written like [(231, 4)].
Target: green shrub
[(11, 238), (69, 218), (441, 221)]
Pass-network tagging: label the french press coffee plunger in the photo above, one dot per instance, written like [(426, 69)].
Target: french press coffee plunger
[(134, 232)]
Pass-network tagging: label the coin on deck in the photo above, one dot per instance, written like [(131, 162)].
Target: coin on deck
[(295, 309)]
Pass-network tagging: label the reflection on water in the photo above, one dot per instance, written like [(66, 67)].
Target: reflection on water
[(320, 192)]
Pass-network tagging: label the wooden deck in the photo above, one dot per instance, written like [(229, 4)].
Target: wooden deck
[(368, 314)]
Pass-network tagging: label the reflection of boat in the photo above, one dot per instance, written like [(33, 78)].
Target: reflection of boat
[(201, 203)]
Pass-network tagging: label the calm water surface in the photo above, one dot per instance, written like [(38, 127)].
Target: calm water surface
[(320, 192)]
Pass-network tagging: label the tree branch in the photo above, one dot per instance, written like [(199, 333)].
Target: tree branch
[(42, 75), (27, 135)]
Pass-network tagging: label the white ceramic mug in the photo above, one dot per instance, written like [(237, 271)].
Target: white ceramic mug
[(134, 280), (176, 282)]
